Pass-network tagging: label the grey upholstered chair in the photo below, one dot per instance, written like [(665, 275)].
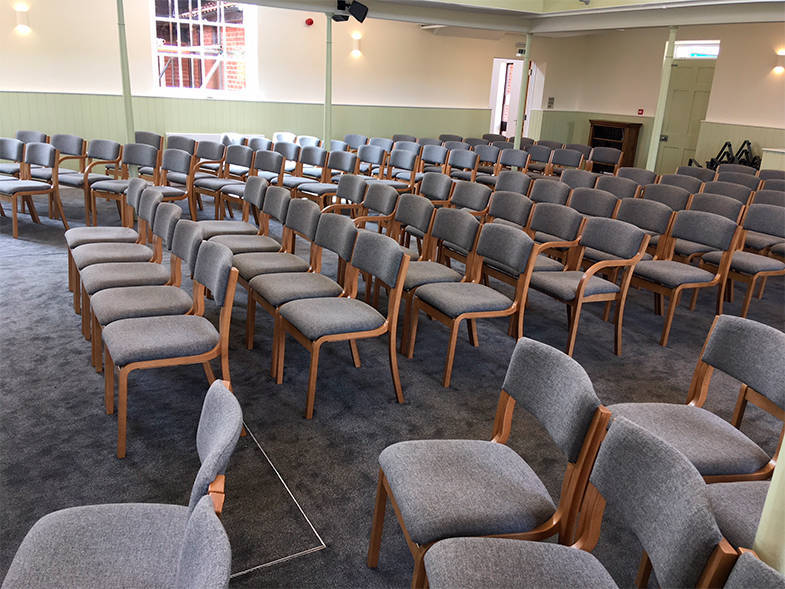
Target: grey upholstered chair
[(618, 186), (291, 153), (564, 159), (550, 191), (526, 142), (237, 163), (32, 136), (750, 571), (370, 158), (209, 158), (451, 145), (653, 217), (177, 162), (743, 178), (462, 160), (491, 137), (385, 143), (488, 158), (512, 158), (676, 197), (725, 206), (539, 158), (767, 231), (142, 544), (423, 141), (736, 168), (502, 252), (414, 146), (323, 193), (253, 197), (413, 214), (594, 202), (607, 157), (71, 148), (335, 233), (582, 147), (470, 196), (667, 277), (769, 197), (689, 183), (284, 136), (401, 170), (737, 191), (23, 189), (378, 207), (619, 246), (403, 137), (436, 187), (151, 342), (554, 222), (315, 322), (640, 175), (145, 171), (308, 141), (433, 158), (260, 143), (338, 145), (13, 151), (503, 144), (774, 184), (702, 174), (579, 178), (181, 142), (313, 159), (475, 141), (509, 208), (771, 174), (269, 165), (550, 144), (510, 181), (451, 488), (354, 141), (449, 137)]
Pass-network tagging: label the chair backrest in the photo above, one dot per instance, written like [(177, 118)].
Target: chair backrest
[(584, 149), (774, 184), (514, 158), (268, 161), (737, 168), (205, 557), (649, 215), (505, 247), (11, 149), (338, 145), (354, 141), (285, 136), (503, 144), (148, 138), (186, 241), (611, 236), (291, 151), (750, 571), (378, 255), (232, 139), (763, 218), (510, 206), (219, 428), (555, 219), (336, 233), (139, 154), (68, 144), (134, 192), (605, 155), (702, 174), (555, 389), (380, 198), (435, 186), (303, 217), (414, 211), (408, 146), (462, 159), (103, 149), (661, 497), (434, 154), (176, 160), (403, 137), (566, 158), (255, 190), (511, 181), (552, 191), (475, 141), (456, 145), (470, 195), (487, 153), (551, 144), (737, 191), (449, 137), (618, 186), (579, 178), (41, 154), (213, 265), (704, 228), (539, 153), (308, 141), (342, 160), (770, 197), (716, 203), (769, 174), (594, 202), (403, 159), (526, 142), (428, 141), (166, 217), (210, 150), (673, 196), (351, 187), (263, 143), (31, 136), (148, 203), (383, 142), (689, 183), (239, 155), (742, 178), (456, 227), (276, 203), (491, 137), (639, 175), (181, 142), (311, 155)]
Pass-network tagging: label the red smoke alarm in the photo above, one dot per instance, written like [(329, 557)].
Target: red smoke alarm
[(308, 22)]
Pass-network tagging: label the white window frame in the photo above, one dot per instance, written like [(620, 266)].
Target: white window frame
[(691, 49)]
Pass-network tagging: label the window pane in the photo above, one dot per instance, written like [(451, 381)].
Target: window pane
[(233, 14), (164, 8)]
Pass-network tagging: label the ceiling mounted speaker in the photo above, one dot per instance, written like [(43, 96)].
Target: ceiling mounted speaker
[(340, 17), (358, 10)]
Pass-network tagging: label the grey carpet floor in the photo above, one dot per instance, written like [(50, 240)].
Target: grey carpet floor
[(57, 444)]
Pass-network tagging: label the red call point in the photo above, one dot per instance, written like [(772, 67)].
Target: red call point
[(640, 111), (309, 22)]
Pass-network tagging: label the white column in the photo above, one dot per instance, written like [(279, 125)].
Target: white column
[(770, 539), (327, 127), (662, 99), (524, 91), (128, 106)]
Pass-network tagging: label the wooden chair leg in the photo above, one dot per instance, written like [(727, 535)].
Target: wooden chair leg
[(675, 296), (617, 324), (762, 286), (659, 303), (87, 212), (419, 580), (85, 315), (280, 349), (450, 353), (694, 299), (396, 377), (60, 211), (471, 327), (748, 297), (412, 331), (407, 317), (575, 315), (355, 353), (741, 406), (377, 523), (77, 292), (729, 290), (31, 207), (108, 382), (95, 344), (208, 372), (250, 320), (313, 372), (70, 271), (122, 410), (15, 217), (644, 570), (2, 211), (192, 206)]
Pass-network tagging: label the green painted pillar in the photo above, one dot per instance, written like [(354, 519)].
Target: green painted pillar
[(770, 541), (524, 91), (327, 127), (662, 99), (128, 106)]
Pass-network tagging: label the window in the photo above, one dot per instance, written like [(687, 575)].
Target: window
[(201, 44), (696, 50)]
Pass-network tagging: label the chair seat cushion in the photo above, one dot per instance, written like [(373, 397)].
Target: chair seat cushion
[(487, 179), (114, 304), (461, 175), (213, 183), (14, 186), (414, 232), (542, 237), (450, 488), (457, 298), (234, 189), (312, 172), (46, 173), (747, 262), (9, 168), (150, 338), (433, 169), (279, 289), (318, 188), (238, 170), (596, 255), (712, 444), (778, 249), (118, 274), (295, 181), (82, 235), (737, 508), (536, 166), (146, 170), (98, 546), (290, 165), (482, 563), (406, 175), (172, 191), (670, 273), (99, 253), (243, 244), (684, 247), (397, 184), (420, 273), (182, 177), (113, 186), (546, 264), (563, 285), (77, 180), (212, 167), (760, 241), (213, 228), (318, 317), (508, 223), (256, 263)]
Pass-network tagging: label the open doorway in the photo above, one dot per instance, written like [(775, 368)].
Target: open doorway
[(506, 93)]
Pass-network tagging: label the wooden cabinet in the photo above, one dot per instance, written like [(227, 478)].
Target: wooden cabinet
[(616, 134)]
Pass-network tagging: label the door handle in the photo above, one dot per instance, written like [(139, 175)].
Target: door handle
[(663, 138)]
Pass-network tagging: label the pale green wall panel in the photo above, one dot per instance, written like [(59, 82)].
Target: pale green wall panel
[(713, 135)]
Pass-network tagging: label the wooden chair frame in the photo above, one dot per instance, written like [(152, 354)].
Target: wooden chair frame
[(119, 197), (92, 163), (562, 522), (221, 350), (220, 199), (163, 180), (326, 198)]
